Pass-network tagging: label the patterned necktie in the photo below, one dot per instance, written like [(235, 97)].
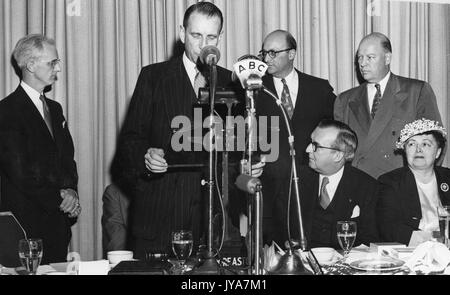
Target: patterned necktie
[(286, 99), (376, 101), (324, 198), (199, 82), (47, 116)]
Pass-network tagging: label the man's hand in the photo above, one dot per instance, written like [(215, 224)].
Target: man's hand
[(154, 160), (258, 168), (70, 203)]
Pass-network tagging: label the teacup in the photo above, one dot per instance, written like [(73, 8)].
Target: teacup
[(323, 254), (117, 256)]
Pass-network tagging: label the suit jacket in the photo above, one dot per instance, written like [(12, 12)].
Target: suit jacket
[(404, 100), (115, 219), (314, 102), (34, 168), (398, 210), (171, 200), (356, 188)]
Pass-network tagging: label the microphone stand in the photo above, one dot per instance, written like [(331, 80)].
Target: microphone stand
[(291, 263), (209, 266)]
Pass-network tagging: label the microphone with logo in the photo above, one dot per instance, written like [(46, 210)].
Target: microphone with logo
[(249, 70)]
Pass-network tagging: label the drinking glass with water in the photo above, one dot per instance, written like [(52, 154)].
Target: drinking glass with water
[(346, 234), (444, 219), (182, 243), (30, 254)]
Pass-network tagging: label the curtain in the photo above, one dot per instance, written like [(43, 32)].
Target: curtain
[(104, 43)]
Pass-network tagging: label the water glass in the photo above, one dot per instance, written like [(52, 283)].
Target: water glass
[(444, 218), (182, 243), (30, 254), (346, 234)]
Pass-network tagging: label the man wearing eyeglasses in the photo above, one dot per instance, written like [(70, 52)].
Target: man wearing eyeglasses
[(332, 190), (306, 99), (37, 168)]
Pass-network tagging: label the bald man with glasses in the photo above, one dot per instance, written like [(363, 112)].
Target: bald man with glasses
[(307, 100), (332, 190)]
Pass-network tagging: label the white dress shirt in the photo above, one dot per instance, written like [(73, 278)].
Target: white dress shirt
[(34, 96), (429, 201), (371, 90), (190, 67), (292, 83), (333, 183)]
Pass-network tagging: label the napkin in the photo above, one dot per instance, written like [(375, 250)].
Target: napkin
[(429, 257), (271, 256)]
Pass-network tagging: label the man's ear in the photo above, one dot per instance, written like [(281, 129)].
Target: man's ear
[(338, 156), (387, 58), (31, 65), (292, 54), (182, 34)]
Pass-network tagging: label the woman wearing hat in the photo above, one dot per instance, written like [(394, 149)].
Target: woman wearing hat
[(409, 196)]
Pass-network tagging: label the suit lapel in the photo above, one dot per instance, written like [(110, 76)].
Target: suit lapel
[(411, 196), (341, 202), (31, 116), (360, 109), (178, 91)]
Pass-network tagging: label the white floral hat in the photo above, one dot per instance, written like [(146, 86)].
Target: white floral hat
[(418, 127)]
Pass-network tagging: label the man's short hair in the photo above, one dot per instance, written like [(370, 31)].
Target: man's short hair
[(27, 47), (385, 42), (205, 8), (346, 139), (291, 42)]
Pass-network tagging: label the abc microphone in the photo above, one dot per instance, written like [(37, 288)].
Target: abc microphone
[(249, 70), (209, 55)]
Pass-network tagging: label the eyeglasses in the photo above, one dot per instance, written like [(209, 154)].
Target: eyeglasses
[(272, 53), (316, 146), (53, 63)]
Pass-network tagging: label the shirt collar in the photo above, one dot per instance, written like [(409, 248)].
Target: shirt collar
[(189, 66), (31, 92), (382, 83), (289, 78), (333, 178)]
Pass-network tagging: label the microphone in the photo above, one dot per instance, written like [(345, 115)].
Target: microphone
[(249, 70), (247, 183), (209, 55)]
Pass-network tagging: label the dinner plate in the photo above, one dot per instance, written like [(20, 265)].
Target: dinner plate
[(379, 264)]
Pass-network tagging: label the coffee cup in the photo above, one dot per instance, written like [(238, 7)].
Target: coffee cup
[(117, 256)]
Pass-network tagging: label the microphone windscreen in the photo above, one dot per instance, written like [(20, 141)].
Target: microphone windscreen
[(208, 52), (247, 183)]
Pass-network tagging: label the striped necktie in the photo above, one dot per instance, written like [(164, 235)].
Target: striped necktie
[(199, 82), (286, 99), (324, 197), (376, 100), (47, 116)]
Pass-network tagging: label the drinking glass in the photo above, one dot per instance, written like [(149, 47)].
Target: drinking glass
[(182, 243), (444, 219), (346, 234), (30, 254)]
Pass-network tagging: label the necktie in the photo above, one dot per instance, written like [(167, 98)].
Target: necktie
[(324, 198), (376, 100), (199, 82), (47, 116), (286, 99)]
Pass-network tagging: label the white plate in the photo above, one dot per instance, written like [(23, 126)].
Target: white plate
[(378, 264), (330, 262)]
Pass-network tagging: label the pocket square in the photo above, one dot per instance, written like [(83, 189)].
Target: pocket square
[(355, 212)]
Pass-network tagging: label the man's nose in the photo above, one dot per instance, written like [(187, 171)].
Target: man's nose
[(309, 148)]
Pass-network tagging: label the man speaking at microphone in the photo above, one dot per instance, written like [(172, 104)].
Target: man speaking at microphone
[(167, 199), (307, 100)]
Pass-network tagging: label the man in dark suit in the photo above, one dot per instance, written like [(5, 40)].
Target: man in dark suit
[(115, 219), (308, 100), (379, 108), (332, 190), (38, 172), (164, 198)]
